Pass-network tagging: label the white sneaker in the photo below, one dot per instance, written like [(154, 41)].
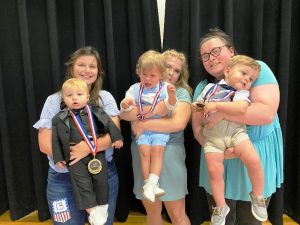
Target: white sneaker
[(98, 215), (258, 207), (159, 191), (219, 215), (149, 191)]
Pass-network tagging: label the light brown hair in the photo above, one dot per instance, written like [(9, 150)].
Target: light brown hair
[(244, 60), (97, 85)]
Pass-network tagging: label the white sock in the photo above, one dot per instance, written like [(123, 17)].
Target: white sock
[(153, 178)]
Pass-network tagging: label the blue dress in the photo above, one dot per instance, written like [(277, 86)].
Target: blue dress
[(267, 140)]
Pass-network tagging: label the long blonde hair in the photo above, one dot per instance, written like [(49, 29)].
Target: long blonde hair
[(184, 75)]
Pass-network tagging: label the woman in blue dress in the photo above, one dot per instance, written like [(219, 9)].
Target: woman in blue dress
[(216, 48), (173, 178)]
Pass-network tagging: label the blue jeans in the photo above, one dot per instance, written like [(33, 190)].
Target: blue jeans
[(113, 188), (62, 203)]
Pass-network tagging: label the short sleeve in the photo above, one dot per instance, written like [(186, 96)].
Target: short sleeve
[(242, 95), (108, 103), (266, 76), (50, 109), (199, 89), (183, 95), (130, 93)]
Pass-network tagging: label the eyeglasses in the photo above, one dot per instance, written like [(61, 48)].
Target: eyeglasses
[(214, 52)]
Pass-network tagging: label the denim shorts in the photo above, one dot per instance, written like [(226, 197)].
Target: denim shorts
[(153, 138)]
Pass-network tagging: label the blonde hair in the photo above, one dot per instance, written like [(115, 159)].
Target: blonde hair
[(244, 60), (184, 75), (75, 83), (150, 59)]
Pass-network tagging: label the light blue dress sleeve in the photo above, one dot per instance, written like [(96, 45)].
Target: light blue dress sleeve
[(183, 95), (199, 89), (265, 76)]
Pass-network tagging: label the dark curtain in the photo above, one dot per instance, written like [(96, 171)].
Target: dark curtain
[(37, 36), (264, 29)]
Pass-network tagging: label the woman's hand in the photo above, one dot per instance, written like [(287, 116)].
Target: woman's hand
[(78, 152), (137, 128), (117, 144), (213, 119), (61, 164)]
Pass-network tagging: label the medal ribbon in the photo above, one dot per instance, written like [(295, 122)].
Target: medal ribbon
[(211, 92), (76, 118), (141, 114)]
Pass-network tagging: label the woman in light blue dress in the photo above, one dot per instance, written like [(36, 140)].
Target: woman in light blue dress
[(263, 129), (173, 178)]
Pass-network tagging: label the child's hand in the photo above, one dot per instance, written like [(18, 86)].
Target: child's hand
[(117, 144), (210, 107), (171, 90), (127, 103), (172, 99), (61, 164)]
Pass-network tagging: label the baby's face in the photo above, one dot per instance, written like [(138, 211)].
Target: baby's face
[(150, 77), (241, 77), (74, 97)]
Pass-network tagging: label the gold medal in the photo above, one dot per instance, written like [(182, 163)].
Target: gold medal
[(95, 166)]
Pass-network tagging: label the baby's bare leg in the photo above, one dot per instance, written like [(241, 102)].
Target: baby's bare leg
[(250, 158), (144, 151), (215, 168), (157, 157)]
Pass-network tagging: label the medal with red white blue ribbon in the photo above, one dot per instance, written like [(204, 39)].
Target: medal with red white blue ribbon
[(141, 115), (211, 92), (230, 91), (95, 165)]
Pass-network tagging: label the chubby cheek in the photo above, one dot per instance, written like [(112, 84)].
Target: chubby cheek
[(142, 80)]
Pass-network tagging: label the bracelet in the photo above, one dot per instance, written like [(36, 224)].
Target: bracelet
[(170, 107)]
